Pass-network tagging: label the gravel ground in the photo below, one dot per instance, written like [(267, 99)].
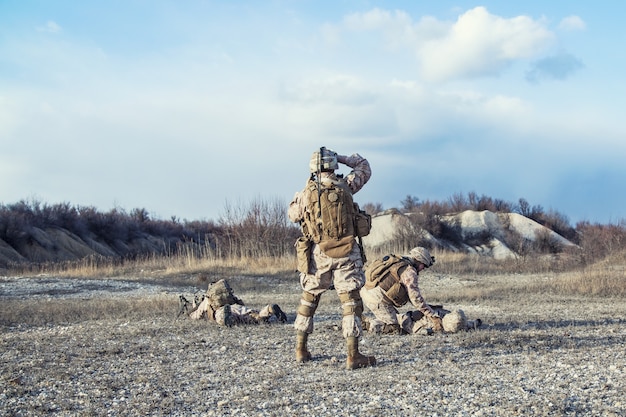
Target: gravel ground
[(552, 356)]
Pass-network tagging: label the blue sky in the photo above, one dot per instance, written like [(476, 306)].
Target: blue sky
[(185, 107)]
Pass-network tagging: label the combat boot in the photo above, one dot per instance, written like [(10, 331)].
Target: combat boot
[(278, 313), (226, 318), (302, 354), (355, 358)]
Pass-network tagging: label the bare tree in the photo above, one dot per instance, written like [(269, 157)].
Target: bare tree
[(372, 208), (523, 207), (261, 228), (410, 204)]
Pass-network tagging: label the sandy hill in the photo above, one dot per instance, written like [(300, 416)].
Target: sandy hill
[(497, 235)]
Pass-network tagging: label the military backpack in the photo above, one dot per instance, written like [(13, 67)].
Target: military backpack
[(385, 273), (332, 219)]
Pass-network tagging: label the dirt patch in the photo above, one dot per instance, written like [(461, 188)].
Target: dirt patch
[(46, 287), (535, 355)]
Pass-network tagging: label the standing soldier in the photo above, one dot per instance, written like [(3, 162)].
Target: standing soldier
[(328, 252), (391, 282)]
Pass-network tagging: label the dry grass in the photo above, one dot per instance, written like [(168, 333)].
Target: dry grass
[(593, 281), (545, 349), (455, 278), (62, 311), (184, 264)]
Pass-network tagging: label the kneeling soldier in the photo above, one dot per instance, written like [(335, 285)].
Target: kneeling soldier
[(391, 282)]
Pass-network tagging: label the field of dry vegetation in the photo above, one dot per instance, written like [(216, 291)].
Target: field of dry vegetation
[(106, 341)]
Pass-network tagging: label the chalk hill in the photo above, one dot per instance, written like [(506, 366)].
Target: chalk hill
[(498, 235)]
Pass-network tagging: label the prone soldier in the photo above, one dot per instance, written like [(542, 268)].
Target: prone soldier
[(221, 305)]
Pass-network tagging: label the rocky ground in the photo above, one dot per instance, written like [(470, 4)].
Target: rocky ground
[(548, 355)]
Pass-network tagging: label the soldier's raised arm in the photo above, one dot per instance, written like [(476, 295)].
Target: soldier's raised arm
[(361, 171)]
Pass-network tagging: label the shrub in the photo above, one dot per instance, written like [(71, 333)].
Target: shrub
[(597, 241), (372, 208)]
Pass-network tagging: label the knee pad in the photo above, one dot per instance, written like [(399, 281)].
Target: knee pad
[(308, 304), (351, 303)]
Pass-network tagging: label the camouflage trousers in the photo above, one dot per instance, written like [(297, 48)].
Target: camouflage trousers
[(344, 274), (239, 314), (244, 315), (385, 312)]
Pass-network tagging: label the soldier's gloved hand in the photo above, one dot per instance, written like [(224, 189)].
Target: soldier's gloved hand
[(437, 324)]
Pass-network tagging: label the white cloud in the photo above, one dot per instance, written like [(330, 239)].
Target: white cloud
[(378, 19), (480, 44), (50, 27), (572, 23), (331, 88), (223, 114), (397, 27)]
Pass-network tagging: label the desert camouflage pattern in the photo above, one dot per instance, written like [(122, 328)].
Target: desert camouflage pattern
[(377, 301), (346, 273), (236, 314), (203, 310), (453, 321), (221, 305), (244, 315), (410, 278), (356, 179), (220, 293), (414, 322)]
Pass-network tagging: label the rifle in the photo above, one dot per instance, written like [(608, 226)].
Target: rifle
[(362, 249), (183, 306), (319, 184)]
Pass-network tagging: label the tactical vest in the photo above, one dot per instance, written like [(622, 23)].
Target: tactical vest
[(329, 218), (385, 273)]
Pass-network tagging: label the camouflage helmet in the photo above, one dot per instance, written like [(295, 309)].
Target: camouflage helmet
[(454, 321), (323, 160), (421, 255)]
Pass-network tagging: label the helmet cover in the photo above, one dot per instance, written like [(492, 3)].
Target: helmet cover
[(420, 254), (324, 160)]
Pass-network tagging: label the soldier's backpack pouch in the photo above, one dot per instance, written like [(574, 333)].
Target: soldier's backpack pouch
[(303, 254), (362, 221)]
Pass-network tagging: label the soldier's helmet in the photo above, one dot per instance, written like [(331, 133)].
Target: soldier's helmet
[(420, 254), (454, 321), (324, 160)]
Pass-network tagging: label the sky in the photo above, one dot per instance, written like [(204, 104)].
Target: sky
[(187, 108)]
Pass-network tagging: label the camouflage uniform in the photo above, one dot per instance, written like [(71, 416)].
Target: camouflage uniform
[(345, 274), (414, 322), (222, 306), (385, 312), (231, 314)]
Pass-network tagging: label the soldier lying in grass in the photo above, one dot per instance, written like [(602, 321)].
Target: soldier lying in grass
[(219, 304), (415, 322)]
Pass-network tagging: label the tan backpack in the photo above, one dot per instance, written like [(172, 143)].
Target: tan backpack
[(385, 273), (332, 219)]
